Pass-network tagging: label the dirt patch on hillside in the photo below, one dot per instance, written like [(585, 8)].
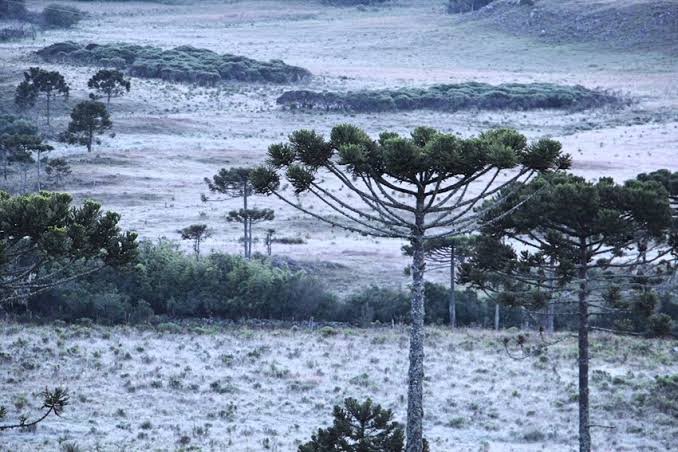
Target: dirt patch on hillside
[(650, 25)]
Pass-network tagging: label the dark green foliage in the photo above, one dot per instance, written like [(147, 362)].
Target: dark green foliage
[(37, 82), (167, 282), (196, 233), (45, 242), (665, 394), (61, 16), (19, 139), (108, 83), (181, 64), (57, 170), (358, 427), (88, 119), (454, 97)]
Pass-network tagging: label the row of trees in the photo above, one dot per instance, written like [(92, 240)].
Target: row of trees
[(536, 229), (23, 144)]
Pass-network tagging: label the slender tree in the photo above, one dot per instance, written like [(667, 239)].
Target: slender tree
[(414, 188), (18, 146), (248, 217), (13, 131), (88, 119), (446, 252), (108, 83), (46, 242), (58, 169), (38, 81), (592, 232), (196, 233), (233, 183)]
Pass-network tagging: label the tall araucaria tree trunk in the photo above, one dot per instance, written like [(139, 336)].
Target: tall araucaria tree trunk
[(246, 237), (453, 296), (584, 424), (415, 393)]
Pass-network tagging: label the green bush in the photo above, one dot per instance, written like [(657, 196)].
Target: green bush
[(453, 97), (167, 282), (182, 64), (358, 427)]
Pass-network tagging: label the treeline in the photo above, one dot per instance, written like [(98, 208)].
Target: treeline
[(166, 283), (23, 23), (181, 64), (453, 97)]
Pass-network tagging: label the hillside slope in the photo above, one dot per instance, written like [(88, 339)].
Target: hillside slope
[(648, 25)]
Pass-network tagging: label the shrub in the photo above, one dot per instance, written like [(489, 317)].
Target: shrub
[(453, 97), (61, 16), (358, 427), (182, 64)]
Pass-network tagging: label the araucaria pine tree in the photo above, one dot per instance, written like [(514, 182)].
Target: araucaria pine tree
[(602, 238), (196, 233), (108, 83), (88, 119), (38, 81), (415, 188), (248, 217), (234, 183)]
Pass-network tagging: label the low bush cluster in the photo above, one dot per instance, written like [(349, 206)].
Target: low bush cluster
[(182, 64), (453, 97), (166, 282)]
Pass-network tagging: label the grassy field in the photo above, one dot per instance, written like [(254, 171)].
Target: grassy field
[(248, 389)]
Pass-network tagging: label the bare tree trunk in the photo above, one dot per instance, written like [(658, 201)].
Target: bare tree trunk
[(584, 424), (551, 317), (415, 393), (90, 137), (39, 163), (5, 162), (453, 296), (49, 95), (496, 316), (245, 228)]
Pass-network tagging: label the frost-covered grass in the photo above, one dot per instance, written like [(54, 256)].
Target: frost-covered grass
[(244, 389)]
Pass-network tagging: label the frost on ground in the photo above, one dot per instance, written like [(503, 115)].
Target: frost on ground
[(245, 389)]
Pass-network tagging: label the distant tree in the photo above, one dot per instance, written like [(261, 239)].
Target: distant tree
[(38, 81), (61, 16), (446, 252), (234, 183), (108, 83), (417, 188), (358, 427), (29, 144), (25, 161), (602, 238), (248, 217), (197, 233), (46, 242), (88, 118), (12, 129), (58, 169)]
